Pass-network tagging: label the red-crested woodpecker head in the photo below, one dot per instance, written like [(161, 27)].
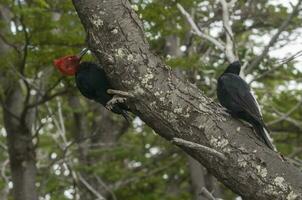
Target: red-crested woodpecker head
[(69, 65)]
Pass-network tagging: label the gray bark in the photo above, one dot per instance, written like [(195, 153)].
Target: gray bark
[(20, 147), (198, 175), (175, 108)]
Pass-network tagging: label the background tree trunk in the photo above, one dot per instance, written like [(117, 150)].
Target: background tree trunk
[(18, 125), (20, 147)]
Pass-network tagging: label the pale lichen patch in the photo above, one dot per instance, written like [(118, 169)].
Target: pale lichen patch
[(278, 186), (114, 31), (120, 53), (242, 162), (138, 90), (201, 126), (271, 190), (279, 181), (262, 171), (218, 142), (291, 196), (153, 103), (130, 57), (178, 110), (97, 21), (187, 115), (145, 80), (134, 7), (238, 129), (156, 93)]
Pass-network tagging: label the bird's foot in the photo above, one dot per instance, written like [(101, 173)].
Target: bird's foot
[(118, 97), (226, 112), (115, 100)]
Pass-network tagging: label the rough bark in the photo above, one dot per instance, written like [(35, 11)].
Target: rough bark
[(175, 108), (198, 175)]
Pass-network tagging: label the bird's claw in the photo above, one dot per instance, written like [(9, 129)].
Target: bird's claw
[(118, 97), (115, 100)]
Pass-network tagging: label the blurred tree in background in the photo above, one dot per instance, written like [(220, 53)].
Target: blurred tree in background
[(58, 145)]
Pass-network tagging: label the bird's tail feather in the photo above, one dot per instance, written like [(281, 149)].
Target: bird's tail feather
[(263, 133), (126, 116)]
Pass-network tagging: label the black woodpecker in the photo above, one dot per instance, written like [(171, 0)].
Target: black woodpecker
[(235, 95), (91, 80)]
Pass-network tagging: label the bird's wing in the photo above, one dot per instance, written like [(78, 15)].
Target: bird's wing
[(92, 83), (241, 95), (84, 85)]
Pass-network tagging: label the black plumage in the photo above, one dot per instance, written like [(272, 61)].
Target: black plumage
[(234, 94), (92, 82)]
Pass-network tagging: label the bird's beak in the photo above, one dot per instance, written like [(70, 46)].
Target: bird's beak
[(82, 53)]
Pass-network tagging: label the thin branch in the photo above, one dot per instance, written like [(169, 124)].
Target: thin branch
[(15, 47), (139, 176), (292, 57), (90, 188), (26, 39), (197, 31), (6, 109), (3, 168), (274, 39), (100, 181), (296, 152), (47, 98), (3, 146), (207, 193), (232, 3), (192, 145), (54, 85), (264, 74), (294, 122), (229, 47), (286, 115), (61, 121), (280, 64)]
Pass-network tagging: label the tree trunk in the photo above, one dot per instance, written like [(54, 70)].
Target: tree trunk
[(19, 139), (177, 109), (20, 147)]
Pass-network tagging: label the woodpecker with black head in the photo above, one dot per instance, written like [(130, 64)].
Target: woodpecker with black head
[(91, 80), (235, 95)]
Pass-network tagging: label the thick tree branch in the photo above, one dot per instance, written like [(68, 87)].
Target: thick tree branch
[(177, 109)]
